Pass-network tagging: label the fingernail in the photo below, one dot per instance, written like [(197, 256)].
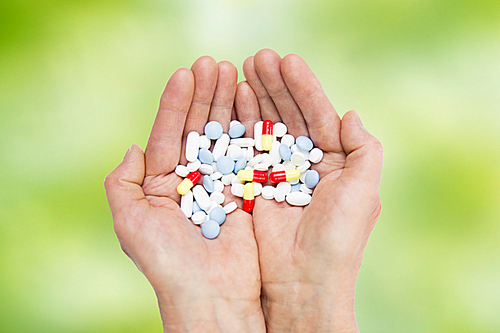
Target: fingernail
[(359, 120), (128, 151)]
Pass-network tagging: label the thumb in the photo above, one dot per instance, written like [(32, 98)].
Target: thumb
[(364, 151), (124, 184)]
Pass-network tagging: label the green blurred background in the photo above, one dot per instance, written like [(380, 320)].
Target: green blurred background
[(80, 81)]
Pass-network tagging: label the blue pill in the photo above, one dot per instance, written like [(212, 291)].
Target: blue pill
[(218, 215), (205, 156), (304, 143), (285, 152), (311, 179), (196, 207), (213, 130), (210, 229), (240, 164), (225, 165), (296, 187), (236, 131), (208, 183)]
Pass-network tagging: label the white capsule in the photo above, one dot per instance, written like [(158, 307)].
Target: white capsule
[(305, 189), (257, 188), (279, 194), (233, 122), (279, 167), (230, 207), (255, 160), (187, 203), (226, 179), (181, 171), (250, 153), (234, 152), (243, 142), (288, 140), (193, 166), (289, 165), (285, 186), (315, 155), (298, 198), (218, 186), (192, 146), (261, 166), (201, 197), (279, 129), (216, 175), (218, 197), (206, 169), (220, 146), (298, 159), (274, 153), (268, 192), (205, 142), (257, 135), (306, 165), (199, 217), (237, 190)]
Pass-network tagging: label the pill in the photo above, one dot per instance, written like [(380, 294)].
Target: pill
[(236, 131), (315, 155), (305, 189), (311, 179), (208, 183), (188, 182), (226, 179), (225, 165), (218, 215), (306, 165), (234, 152), (196, 207), (213, 204), (240, 164), (213, 130), (257, 135), (199, 217), (295, 187), (248, 197), (243, 142), (279, 129), (255, 160), (187, 204), (205, 142), (279, 194), (268, 192), (206, 169), (202, 197), (289, 165), (237, 180), (284, 176), (193, 166), (267, 159), (233, 122), (210, 229), (214, 166), (205, 156), (275, 153), (286, 187), (237, 189), (248, 167), (297, 158), (217, 175), (230, 207), (250, 153), (288, 140), (298, 198), (304, 143), (261, 166), (293, 182), (278, 167), (218, 186), (302, 177), (257, 188), (220, 146), (252, 176), (192, 146), (267, 135), (181, 171), (285, 152), (218, 197)]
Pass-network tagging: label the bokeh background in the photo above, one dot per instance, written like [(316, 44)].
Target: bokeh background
[(80, 81)]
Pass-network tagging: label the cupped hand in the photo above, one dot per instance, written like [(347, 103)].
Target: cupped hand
[(309, 257), (201, 284)]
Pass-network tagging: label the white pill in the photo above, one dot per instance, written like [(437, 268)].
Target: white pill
[(234, 152), (255, 160), (286, 187), (201, 197), (266, 158), (214, 166), (193, 166), (205, 142), (302, 177), (243, 142), (268, 192), (275, 153), (261, 166), (218, 197), (306, 165), (248, 167), (230, 207), (305, 153), (294, 148), (279, 129), (250, 153), (288, 140), (298, 159), (218, 186), (226, 179), (206, 169), (279, 167), (181, 171), (192, 146), (279, 194), (257, 135), (305, 189), (289, 165), (187, 203), (213, 204), (233, 122), (199, 217), (298, 198), (220, 146), (315, 155), (237, 180), (257, 188), (216, 175), (237, 190), (244, 152)]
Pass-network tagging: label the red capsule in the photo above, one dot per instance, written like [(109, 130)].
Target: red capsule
[(284, 176), (252, 176), (267, 135)]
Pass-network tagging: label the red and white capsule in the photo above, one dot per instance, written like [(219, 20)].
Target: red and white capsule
[(284, 176), (252, 176), (188, 182), (267, 135), (248, 197)]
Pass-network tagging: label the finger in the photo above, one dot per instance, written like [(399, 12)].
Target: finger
[(322, 120), (205, 80), (247, 107), (164, 144), (267, 108), (267, 65), (364, 151), (222, 103)]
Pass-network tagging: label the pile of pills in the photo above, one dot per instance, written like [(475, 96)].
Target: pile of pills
[(233, 162)]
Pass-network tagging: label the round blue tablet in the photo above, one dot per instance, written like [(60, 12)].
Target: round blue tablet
[(285, 152), (240, 164), (210, 229), (205, 156), (196, 207), (311, 179), (213, 130), (218, 215), (304, 143), (225, 165), (208, 183), (236, 131)]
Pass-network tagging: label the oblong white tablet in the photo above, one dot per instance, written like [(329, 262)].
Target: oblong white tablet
[(298, 198), (199, 217), (275, 153), (201, 197), (192, 146), (220, 146), (257, 135), (181, 171), (230, 207), (243, 142), (187, 203), (206, 169)]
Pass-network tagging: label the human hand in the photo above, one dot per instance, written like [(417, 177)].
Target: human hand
[(201, 285), (310, 256)]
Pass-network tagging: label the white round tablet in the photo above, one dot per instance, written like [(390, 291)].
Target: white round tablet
[(279, 129), (315, 155), (218, 197), (237, 190), (298, 159), (268, 192), (199, 217)]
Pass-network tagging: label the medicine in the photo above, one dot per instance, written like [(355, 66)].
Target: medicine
[(267, 135), (187, 204), (252, 176), (210, 229), (248, 198), (188, 182), (192, 146), (284, 176)]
